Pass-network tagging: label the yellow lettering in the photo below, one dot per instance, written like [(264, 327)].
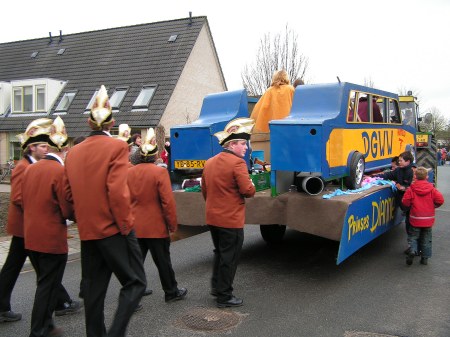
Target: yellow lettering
[(357, 225), (375, 216), (383, 212)]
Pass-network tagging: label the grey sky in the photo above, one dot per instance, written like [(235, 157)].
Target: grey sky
[(397, 44)]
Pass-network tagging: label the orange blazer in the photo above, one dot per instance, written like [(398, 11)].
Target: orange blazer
[(152, 201), (276, 103), (96, 182), (225, 184), (45, 207), (15, 211)]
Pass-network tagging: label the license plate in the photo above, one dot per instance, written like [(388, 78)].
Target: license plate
[(190, 164), (422, 138)]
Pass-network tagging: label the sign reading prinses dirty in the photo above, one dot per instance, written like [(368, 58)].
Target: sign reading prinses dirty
[(366, 219)]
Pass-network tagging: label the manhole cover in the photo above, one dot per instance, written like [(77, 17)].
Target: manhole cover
[(207, 319)]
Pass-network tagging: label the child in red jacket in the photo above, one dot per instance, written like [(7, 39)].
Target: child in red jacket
[(422, 198)]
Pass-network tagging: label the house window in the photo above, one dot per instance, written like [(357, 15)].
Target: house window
[(23, 99), (144, 98), (65, 102), (91, 102), (17, 102), (116, 99), (28, 98), (40, 98)]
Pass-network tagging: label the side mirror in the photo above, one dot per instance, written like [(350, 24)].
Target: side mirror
[(428, 118)]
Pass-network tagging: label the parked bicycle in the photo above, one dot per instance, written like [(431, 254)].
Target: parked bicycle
[(7, 170)]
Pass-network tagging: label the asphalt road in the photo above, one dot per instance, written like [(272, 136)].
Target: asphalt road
[(294, 289)]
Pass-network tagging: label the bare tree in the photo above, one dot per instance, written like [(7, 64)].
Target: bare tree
[(160, 132), (438, 122), (279, 52), (402, 91), (187, 116), (368, 82)]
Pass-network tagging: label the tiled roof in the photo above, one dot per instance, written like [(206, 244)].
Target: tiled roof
[(129, 57)]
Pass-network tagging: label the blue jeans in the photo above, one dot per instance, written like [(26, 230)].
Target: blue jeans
[(420, 240)]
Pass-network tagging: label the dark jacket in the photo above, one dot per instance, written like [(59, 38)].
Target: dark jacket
[(402, 175)]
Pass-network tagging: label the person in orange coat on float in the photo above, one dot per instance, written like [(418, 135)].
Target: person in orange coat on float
[(275, 103)]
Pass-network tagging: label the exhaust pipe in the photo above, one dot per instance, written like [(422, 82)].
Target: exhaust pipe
[(312, 185)]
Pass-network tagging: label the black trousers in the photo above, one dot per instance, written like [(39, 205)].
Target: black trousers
[(227, 249), (49, 273), (116, 254), (160, 250), (10, 272)]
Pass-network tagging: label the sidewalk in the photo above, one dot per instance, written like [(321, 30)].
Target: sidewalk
[(73, 240)]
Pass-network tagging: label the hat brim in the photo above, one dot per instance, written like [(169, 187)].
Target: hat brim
[(235, 136), (39, 139)]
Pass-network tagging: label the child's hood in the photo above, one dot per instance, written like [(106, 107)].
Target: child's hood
[(422, 187)]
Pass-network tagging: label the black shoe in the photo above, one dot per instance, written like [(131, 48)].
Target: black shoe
[(10, 316), (139, 307), (179, 295), (147, 292), (69, 308), (213, 292), (424, 261), (232, 302), (407, 251), (410, 258)]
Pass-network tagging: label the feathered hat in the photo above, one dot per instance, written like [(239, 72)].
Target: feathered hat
[(237, 129), (37, 132), (149, 147), (125, 133), (58, 134), (101, 112)]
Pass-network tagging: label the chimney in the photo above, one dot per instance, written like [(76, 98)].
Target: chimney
[(60, 36), (51, 39), (190, 18)]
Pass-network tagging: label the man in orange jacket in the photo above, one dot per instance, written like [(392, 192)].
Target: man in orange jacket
[(225, 184), (34, 144), (96, 182), (151, 194), (45, 212)]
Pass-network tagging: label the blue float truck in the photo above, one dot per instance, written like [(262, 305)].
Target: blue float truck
[(322, 143)]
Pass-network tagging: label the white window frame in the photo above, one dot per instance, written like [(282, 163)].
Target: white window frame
[(67, 98), (117, 102), (91, 102), (14, 108), (34, 98), (36, 101), (21, 89), (141, 96)]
